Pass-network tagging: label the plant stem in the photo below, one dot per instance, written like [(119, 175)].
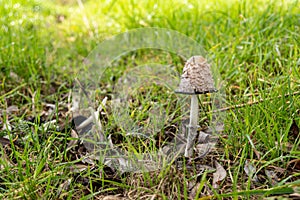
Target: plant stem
[(192, 126)]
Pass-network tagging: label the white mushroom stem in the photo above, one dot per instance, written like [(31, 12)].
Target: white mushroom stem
[(192, 126)]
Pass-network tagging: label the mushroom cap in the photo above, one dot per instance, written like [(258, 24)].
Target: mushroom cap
[(196, 77)]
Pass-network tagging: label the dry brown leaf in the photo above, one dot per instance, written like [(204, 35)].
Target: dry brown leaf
[(203, 149), (250, 170), (12, 109), (272, 177), (219, 175), (77, 168), (194, 191), (203, 137), (73, 143), (64, 186)]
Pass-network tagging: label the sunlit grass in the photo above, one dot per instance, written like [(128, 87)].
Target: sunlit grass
[(254, 44)]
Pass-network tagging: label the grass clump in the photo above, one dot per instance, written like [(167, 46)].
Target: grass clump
[(255, 46)]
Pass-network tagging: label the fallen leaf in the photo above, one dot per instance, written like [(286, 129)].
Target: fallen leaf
[(203, 137), (64, 186), (250, 170), (12, 109), (272, 177), (73, 142), (77, 168), (193, 188), (219, 175), (203, 149), (217, 128)]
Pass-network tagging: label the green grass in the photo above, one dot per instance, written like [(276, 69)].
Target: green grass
[(255, 45)]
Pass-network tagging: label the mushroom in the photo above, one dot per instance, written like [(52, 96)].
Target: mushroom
[(196, 79)]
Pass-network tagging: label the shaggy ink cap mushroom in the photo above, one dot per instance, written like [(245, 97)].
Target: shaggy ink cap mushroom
[(196, 77)]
